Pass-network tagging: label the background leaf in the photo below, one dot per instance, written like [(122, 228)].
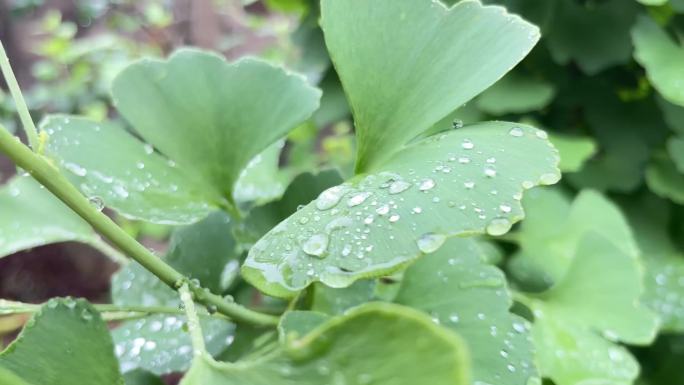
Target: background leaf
[(65, 342)]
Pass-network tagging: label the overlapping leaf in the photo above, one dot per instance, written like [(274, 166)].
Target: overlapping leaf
[(463, 293), (158, 343), (516, 93), (440, 58), (205, 118), (352, 349), (32, 216), (578, 321), (66, 342), (468, 181), (662, 57)]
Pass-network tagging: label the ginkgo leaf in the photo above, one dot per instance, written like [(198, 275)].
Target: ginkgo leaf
[(664, 179), (440, 58), (553, 227), (205, 118), (298, 323), (158, 342), (578, 320), (32, 216), (662, 58), (464, 182), (65, 342), (595, 36), (574, 150), (663, 260), (516, 93), (461, 292), (352, 349)]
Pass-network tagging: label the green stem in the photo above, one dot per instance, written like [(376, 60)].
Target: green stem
[(56, 183), (194, 327), (22, 109), (113, 254)]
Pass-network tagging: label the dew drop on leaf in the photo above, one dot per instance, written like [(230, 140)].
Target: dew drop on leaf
[(330, 198), (316, 245), (498, 226), (430, 242), (516, 131), (426, 185), (399, 186)]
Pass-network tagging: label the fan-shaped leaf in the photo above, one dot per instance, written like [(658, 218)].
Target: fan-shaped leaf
[(464, 182), (440, 58)]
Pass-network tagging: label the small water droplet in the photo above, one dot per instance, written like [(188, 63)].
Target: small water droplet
[(456, 124), (516, 131), (430, 242), (467, 144), (394, 217), (148, 149), (330, 198), (464, 160), (383, 210), (505, 208), (97, 202), (541, 134), (490, 172), (469, 185)]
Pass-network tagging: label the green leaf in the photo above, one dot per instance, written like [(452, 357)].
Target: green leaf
[(465, 182), (577, 320), (574, 150), (206, 117), (337, 301), (663, 260), (353, 349), (65, 342), (463, 293), (296, 324), (157, 343), (594, 35), (32, 216), (675, 147), (141, 377), (664, 179), (262, 181), (516, 93), (662, 58), (551, 233), (440, 58), (653, 2)]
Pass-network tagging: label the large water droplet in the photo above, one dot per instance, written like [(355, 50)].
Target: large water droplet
[(498, 226), (426, 185), (330, 198), (358, 198), (430, 242), (399, 186), (316, 245)]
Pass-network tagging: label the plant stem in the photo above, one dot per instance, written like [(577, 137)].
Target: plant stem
[(113, 254), (60, 186), (193, 321), (22, 109)]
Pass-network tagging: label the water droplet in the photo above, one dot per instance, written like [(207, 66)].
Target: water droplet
[(457, 123), (430, 242), (97, 202), (491, 160), (417, 210), (541, 134), (549, 178), (316, 245), (330, 198), (527, 184), (469, 185), (140, 165), (399, 186), (516, 131), (464, 160), (467, 144), (382, 210), (358, 198), (498, 226), (490, 172), (76, 169), (505, 208), (394, 217), (453, 317), (148, 149), (426, 185)]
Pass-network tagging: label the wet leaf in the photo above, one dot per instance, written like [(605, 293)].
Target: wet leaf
[(202, 143), (462, 292), (32, 216), (465, 182), (65, 342), (353, 349)]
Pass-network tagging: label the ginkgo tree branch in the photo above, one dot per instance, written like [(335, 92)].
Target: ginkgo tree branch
[(45, 173)]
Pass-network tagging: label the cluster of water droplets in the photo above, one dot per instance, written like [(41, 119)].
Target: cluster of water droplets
[(132, 189), (664, 285), (382, 219)]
